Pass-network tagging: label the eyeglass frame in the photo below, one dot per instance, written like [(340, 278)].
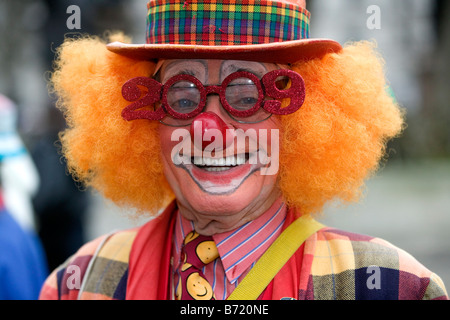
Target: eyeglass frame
[(157, 92)]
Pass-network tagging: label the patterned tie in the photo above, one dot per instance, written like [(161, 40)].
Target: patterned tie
[(197, 251)]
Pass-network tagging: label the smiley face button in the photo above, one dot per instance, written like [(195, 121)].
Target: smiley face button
[(198, 251), (207, 251), (198, 288)]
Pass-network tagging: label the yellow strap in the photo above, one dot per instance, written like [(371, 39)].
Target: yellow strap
[(275, 258)]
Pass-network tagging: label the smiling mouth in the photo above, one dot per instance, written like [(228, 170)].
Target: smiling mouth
[(216, 164), (220, 164), (203, 295), (219, 174)]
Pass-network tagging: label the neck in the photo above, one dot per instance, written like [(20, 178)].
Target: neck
[(219, 221)]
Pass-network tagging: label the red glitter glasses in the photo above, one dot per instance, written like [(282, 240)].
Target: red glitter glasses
[(242, 94)]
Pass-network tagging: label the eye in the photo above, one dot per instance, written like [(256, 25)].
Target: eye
[(183, 96), (242, 94), (183, 104), (248, 100), (245, 103)]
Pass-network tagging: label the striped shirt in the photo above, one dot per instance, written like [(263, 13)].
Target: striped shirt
[(239, 249)]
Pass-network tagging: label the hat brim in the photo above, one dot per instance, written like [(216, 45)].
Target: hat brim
[(277, 52)]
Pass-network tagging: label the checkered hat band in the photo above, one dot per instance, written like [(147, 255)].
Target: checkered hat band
[(229, 22)]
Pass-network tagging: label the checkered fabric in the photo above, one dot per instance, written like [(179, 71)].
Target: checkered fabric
[(349, 266), (331, 265), (225, 22), (99, 268)]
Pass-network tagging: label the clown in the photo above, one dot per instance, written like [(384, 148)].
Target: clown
[(232, 126)]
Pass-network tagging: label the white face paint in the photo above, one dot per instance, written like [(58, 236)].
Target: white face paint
[(224, 172), (219, 190)]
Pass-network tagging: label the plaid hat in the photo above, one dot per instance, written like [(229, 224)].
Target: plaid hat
[(256, 30)]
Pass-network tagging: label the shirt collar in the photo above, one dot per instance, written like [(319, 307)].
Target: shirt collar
[(239, 249)]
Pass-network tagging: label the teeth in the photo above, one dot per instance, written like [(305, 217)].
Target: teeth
[(240, 159), (230, 161), (213, 162), (216, 169)]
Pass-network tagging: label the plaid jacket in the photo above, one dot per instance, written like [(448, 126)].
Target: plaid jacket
[(331, 264)]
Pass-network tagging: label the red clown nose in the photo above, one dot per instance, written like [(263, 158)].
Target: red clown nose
[(208, 129)]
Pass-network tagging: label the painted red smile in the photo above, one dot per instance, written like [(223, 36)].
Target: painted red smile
[(221, 175)]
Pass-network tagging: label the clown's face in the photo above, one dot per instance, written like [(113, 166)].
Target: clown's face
[(223, 169)]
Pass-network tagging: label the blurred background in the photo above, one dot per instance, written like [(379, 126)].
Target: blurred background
[(407, 203)]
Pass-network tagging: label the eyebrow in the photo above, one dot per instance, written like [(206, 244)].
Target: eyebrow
[(185, 70), (231, 68)]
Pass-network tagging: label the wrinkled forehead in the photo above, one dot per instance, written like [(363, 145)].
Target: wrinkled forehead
[(218, 69)]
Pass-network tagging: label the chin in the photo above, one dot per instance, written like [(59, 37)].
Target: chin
[(222, 204)]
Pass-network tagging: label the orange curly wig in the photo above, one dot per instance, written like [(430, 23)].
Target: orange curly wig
[(328, 148)]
